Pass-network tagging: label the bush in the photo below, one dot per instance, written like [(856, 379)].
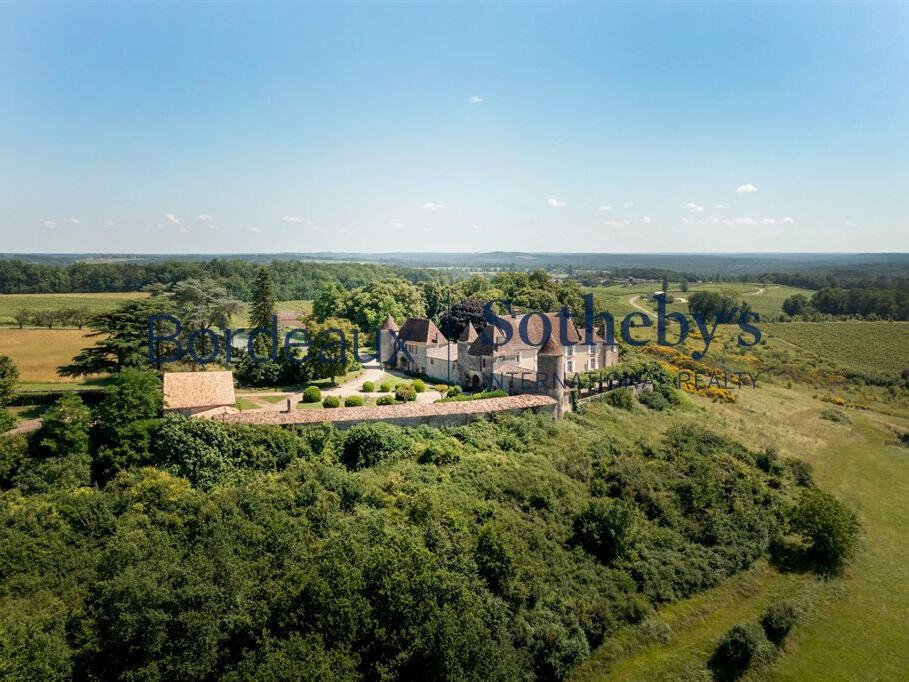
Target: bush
[(736, 650), (7, 420), (607, 529), (801, 471), (312, 395), (385, 387), (454, 392), (385, 400), (330, 401), (406, 392), (442, 450), (829, 526), (368, 387), (621, 397), (419, 386), (440, 388), (353, 401), (366, 445), (778, 620), (834, 415), (654, 400), (767, 459)]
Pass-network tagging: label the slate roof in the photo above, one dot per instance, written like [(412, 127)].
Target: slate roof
[(421, 330), (469, 333), (482, 345)]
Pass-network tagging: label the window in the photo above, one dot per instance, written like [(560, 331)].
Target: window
[(591, 349), (569, 350), (569, 366)]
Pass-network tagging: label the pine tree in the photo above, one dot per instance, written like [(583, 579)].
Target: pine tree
[(263, 301), (665, 285)]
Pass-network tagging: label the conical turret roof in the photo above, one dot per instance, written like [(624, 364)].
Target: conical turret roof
[(469, 333), (390, 323)]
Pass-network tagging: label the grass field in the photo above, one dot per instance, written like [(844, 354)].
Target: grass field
[(97, 303), (38, 352), (852, 627)]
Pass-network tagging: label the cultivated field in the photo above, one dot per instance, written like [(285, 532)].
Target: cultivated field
[(96, 303), (38, 352)]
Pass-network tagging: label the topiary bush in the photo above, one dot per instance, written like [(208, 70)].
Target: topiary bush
[(829, 527), (385, 387), (454, 391), (330, 401), (353, 401), (385, 400), (737, 649), (778, 620), (368, 387), (311, 395), (405, 393), (622, 398), (419, 386), (441, 388)]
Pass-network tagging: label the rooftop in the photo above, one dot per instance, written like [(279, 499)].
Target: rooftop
[(184, 390)]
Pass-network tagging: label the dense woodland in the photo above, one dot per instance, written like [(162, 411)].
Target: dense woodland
[(137, 547)]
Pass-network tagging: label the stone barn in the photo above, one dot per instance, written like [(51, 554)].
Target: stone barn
[(199, 394)]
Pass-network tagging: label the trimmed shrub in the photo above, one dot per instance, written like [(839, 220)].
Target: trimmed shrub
[(385, 387), (736, 650), (368, 387), (405, 392), (312, 395), (330, 401), (419, 385), (829, 526), (622, 398), (366, 445), (385, 400), (778, 620), (454, 391), (441, 388), (353, 401)]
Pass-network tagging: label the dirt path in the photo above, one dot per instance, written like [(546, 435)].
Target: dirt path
[(633, 302), (26, 426)]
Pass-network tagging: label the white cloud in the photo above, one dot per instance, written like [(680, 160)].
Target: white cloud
[(476, 228), (787, 221), (396, 224), (552, 201), (254, 230), (768, 221), (49, 223), (849, 223), (182, 229), (291, 219), (111, 223), (172, 218), (629, 204), (434, 206), (74, 221), (475, 99), (613, 223), (604, 207), (204, 217), (747, 188), (617, 233), (719, 206), (646, 219), (348, 230), (688, 221), (693, 207)]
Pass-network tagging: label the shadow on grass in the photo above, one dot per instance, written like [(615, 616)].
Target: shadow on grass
[(789, 555)]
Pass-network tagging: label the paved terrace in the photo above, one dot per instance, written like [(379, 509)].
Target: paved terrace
[(408, 413)]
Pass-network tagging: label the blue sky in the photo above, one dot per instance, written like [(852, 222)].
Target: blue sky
[(454, 127)]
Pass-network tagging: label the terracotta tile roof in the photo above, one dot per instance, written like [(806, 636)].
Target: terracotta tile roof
[(441, 353), (482, 345), (421, 330), (390, 323), (184, 390), (357, 414)]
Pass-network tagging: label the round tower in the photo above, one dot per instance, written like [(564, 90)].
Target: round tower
[(385, 339), (550, 367)]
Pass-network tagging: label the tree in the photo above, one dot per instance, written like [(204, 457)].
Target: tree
[(330, 355), (64, 428), (122, 340), (713, 305), (23, 316), (203, 304), (367, 307), (9, 377), (683, 285), (797, 304), (46, 318), (830, 527), (262, 307), (328, 303), (665, 285), (454, 319), (437, 297)]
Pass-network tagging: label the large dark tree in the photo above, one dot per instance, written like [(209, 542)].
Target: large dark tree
[(263, 303), (454, 319), (9, 375)]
